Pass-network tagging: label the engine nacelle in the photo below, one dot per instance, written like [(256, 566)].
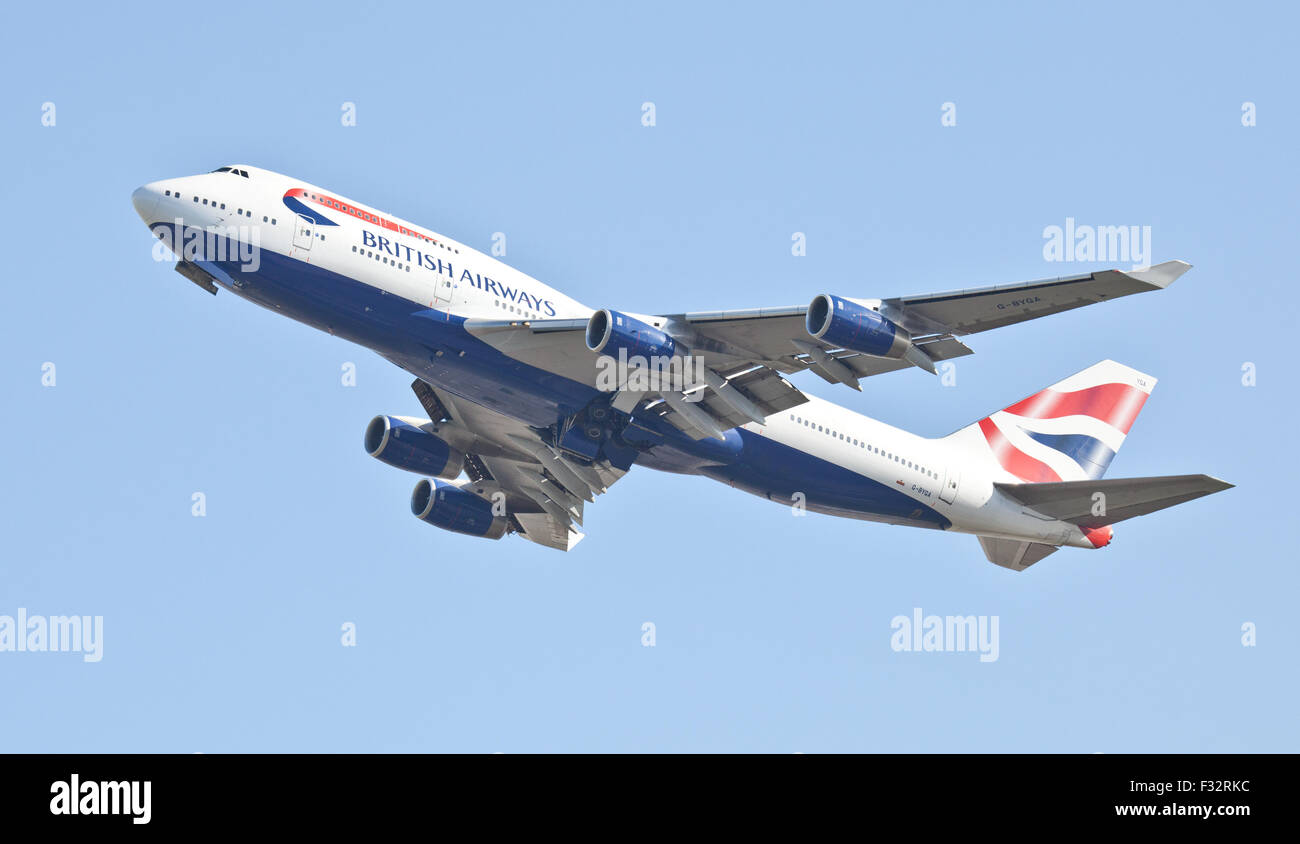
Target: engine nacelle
[(848, 325), (452, 508), (609, 332), (406, 446)]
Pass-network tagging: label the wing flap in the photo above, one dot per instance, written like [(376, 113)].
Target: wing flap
[(544, 489), (547, 530)]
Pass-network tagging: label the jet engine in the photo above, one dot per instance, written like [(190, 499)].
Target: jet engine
[(845, 324), (452, 508), (610, 332), (401, 443)]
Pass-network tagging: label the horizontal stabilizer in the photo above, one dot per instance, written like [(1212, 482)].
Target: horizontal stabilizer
[(1095, 504), (1014, 554)]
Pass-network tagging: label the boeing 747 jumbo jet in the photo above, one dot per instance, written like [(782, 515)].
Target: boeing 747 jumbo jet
[(536, 403)]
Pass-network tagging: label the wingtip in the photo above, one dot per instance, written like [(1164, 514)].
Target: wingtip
[(1220, 483), (1161, 275)]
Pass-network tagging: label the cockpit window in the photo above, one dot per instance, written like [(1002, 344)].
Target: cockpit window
[(232, 171), (222, 170)]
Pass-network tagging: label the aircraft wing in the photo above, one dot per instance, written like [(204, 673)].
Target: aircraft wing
[(746, 353), (544, 489), (980, 309), (731, 392), (778, 337)]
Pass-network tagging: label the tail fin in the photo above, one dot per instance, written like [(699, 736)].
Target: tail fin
[(1068, 432)]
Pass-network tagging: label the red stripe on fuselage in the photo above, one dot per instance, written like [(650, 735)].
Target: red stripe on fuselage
[(1014, 460), (352, 211), (1115, 404)]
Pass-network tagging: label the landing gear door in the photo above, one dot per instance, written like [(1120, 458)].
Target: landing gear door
[(304, 232), (951, 481)]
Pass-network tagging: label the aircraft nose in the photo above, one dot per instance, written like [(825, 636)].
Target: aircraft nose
[(145, 200)]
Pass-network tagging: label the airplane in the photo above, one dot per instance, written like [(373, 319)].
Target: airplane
[(535, 403)]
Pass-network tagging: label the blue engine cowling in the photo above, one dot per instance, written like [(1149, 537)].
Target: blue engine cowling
[(609, 332), (452, 508), (405, 446), (848, 325)]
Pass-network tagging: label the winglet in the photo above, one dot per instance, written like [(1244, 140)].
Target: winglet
[(1161, 275)]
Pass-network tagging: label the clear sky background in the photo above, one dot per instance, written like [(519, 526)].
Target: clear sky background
[(222, 633)]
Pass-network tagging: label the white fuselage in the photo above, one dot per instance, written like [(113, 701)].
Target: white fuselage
[(401, 263)]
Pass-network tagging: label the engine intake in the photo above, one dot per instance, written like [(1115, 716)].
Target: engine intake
[(848, 325), (451, 508), (609, 332), (405, 446)]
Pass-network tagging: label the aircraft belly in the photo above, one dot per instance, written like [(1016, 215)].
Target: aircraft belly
[(782, 473), (429, 343)]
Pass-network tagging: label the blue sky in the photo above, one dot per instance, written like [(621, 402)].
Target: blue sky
[(222, 633)]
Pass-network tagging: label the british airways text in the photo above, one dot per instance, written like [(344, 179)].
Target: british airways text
[(437, 265)]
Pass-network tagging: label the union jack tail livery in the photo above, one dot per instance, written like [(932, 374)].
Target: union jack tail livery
[(1068, 432), (1046, 455)]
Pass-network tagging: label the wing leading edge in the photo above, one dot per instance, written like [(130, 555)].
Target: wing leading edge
[(745, 355), (778, 337)]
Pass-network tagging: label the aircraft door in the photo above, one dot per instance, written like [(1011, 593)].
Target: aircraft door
[(304, 232), (951, 482), (442, 290)]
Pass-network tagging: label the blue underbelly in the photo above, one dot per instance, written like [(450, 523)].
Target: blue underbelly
[(427, 343), (779, 471), (435, 346)]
